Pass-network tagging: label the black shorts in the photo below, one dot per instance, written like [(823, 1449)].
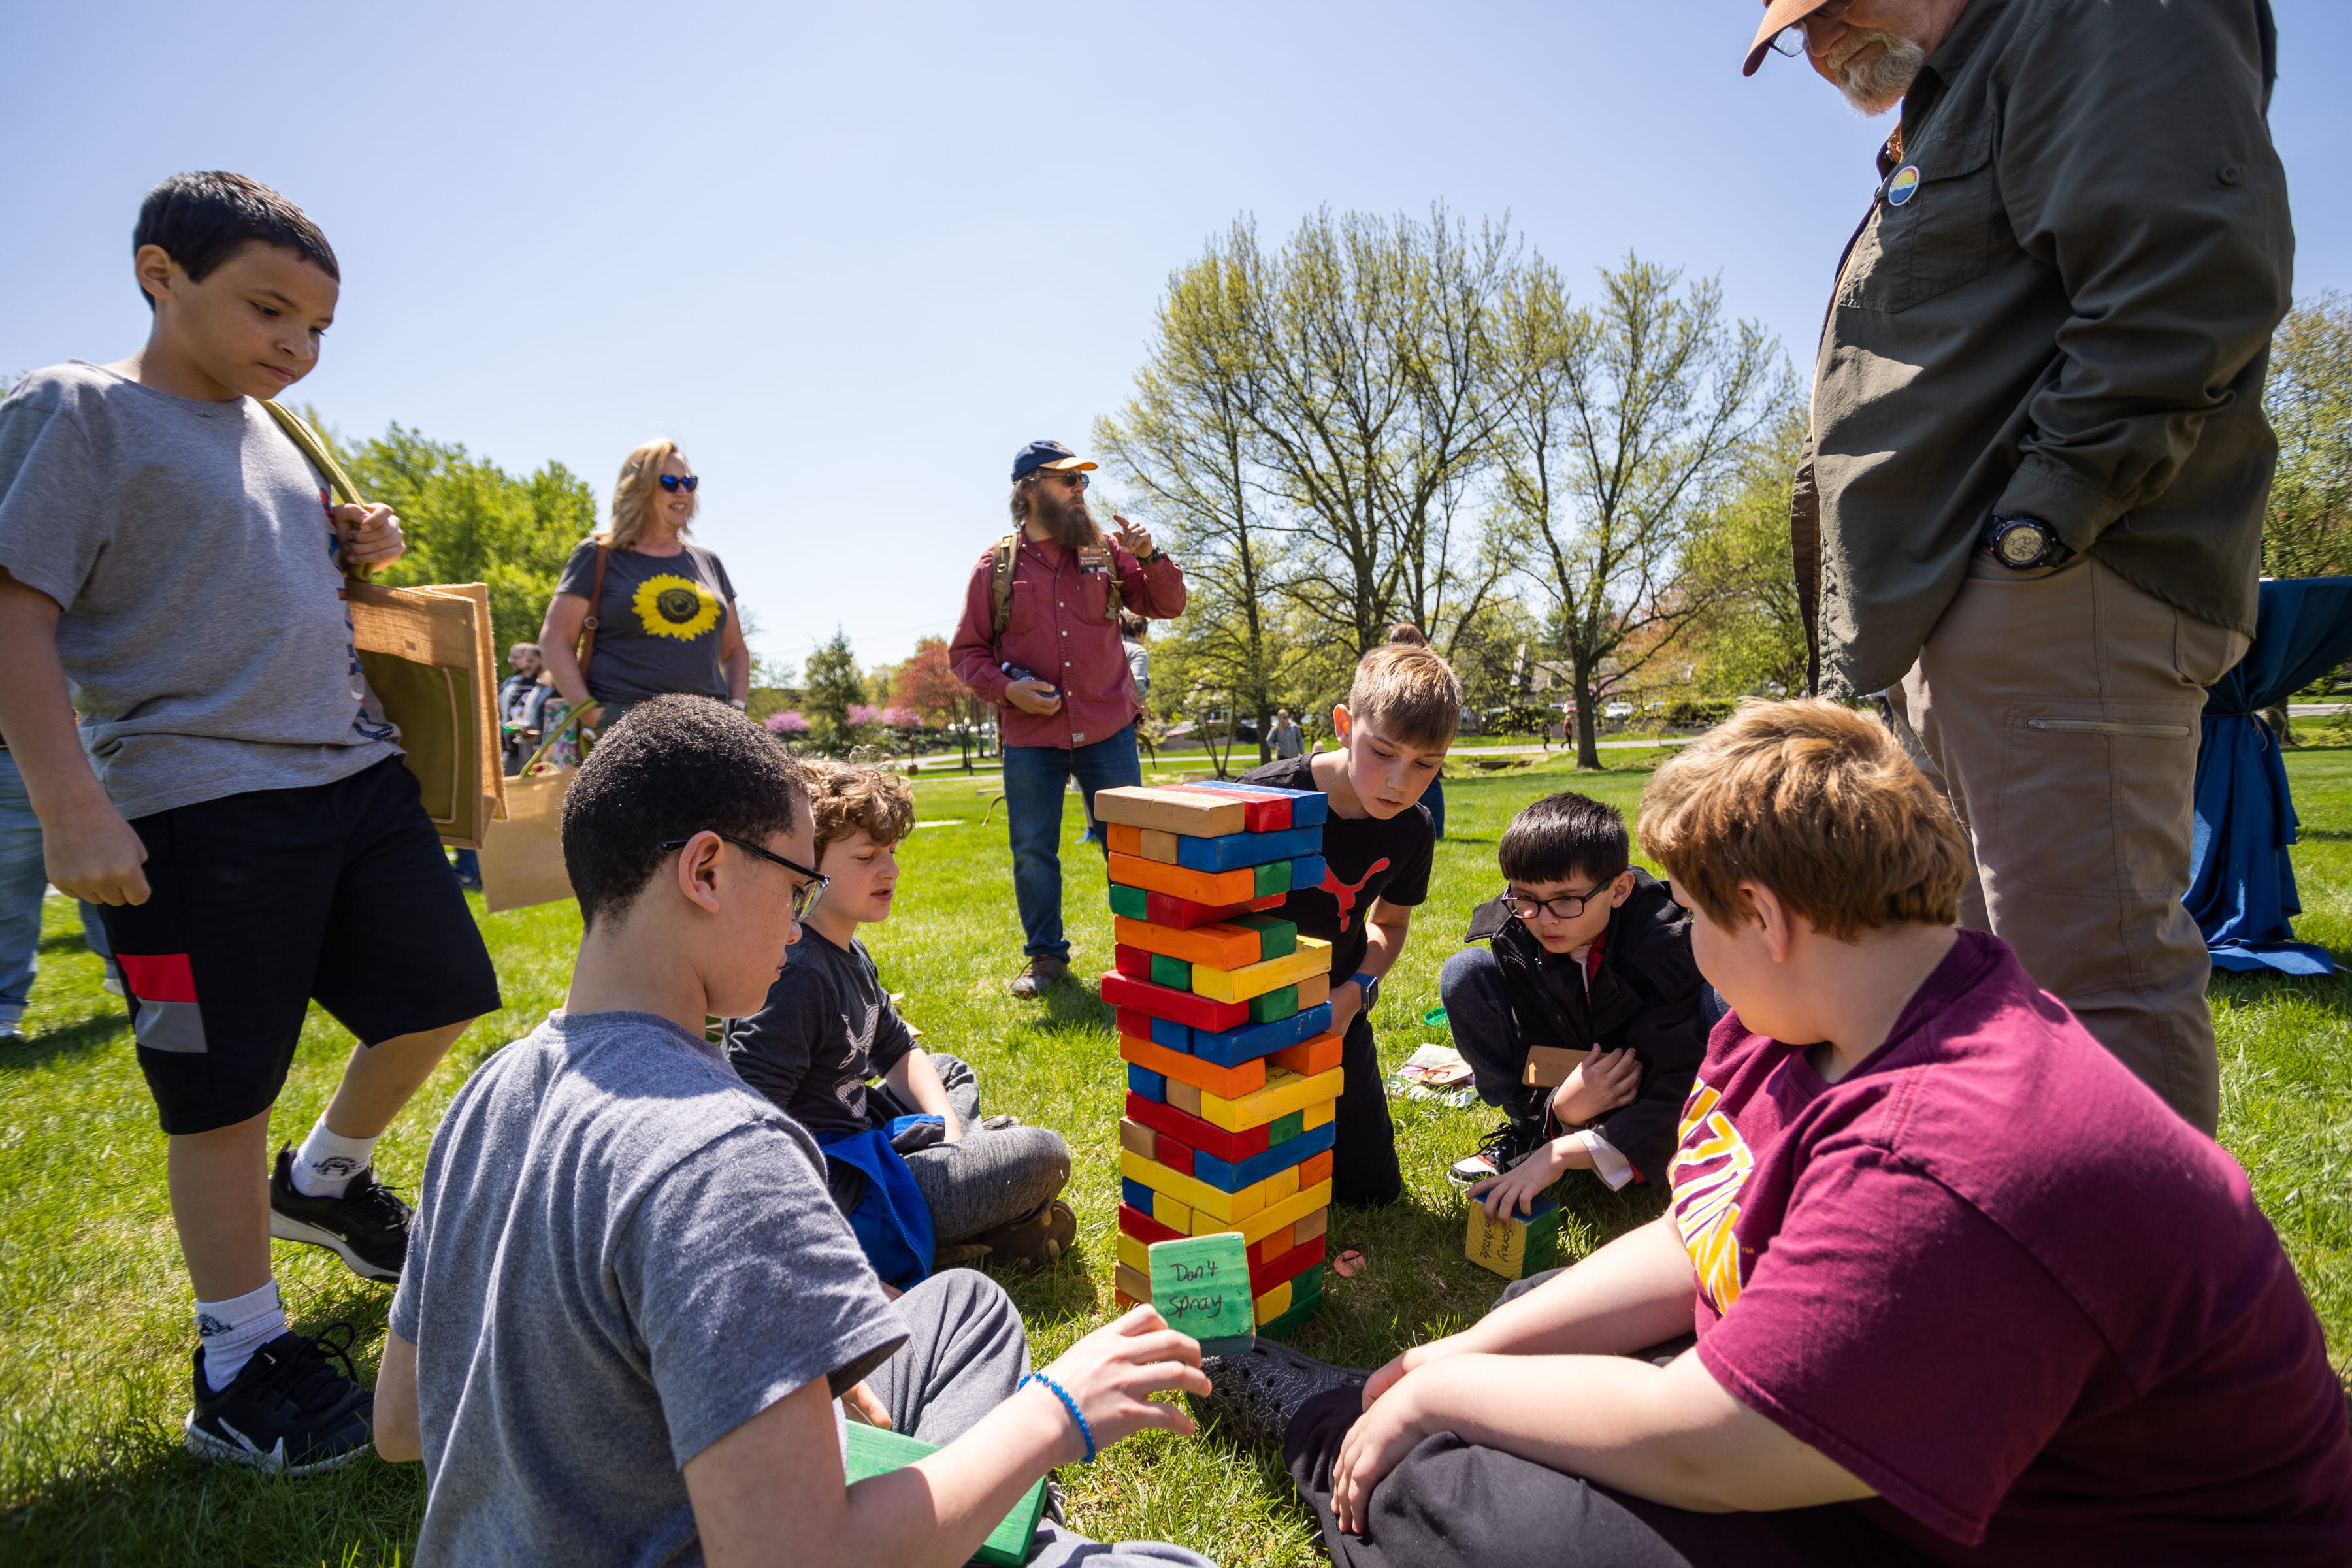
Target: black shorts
[(260, 902)]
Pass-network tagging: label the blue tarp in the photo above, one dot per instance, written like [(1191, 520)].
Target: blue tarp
[(2241, 884)]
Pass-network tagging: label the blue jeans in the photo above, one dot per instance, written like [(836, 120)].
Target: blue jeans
[(1035, 778), (23, 879)]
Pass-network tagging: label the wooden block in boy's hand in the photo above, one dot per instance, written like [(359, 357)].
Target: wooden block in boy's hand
[(1200, 816), (1201, 1285), (1548, 1066), (1515, 1245)]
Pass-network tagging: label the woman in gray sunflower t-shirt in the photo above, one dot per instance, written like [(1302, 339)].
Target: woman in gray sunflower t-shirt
[(665, 621)]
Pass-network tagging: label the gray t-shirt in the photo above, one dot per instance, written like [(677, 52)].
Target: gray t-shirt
[(620, 1254), (204, 637), (658, 628)]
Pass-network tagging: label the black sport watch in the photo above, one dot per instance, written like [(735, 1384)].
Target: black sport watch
[(2023, 543)]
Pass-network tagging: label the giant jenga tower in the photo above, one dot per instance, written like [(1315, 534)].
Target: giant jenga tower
[(1225, 1022)]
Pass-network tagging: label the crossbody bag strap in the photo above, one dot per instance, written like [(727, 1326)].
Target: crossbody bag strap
[(588, 627), (338, 483)]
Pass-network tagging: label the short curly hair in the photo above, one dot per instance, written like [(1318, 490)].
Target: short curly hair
[(673, 767), (847, 799), (1815, 802)]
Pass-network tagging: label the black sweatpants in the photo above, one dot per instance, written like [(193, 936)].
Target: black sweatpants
[(1363, 1141)]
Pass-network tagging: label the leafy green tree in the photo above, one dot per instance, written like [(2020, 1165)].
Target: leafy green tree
[(1751, 640), (2308, 532), (833, 687)]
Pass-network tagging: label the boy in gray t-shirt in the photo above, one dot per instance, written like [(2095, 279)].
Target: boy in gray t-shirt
[(630, 1306), (233, 798)]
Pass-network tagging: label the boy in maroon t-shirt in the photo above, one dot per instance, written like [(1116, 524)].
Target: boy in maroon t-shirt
[(1964, 1290)]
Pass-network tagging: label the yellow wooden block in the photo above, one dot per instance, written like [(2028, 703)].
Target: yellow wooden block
[(1170, 1212), (1515, 1245), (1312, 957), (1266, 1221), (1135, 1252), (1317, 1115), (1283, 1183), (1205, 1198), (1285, 1092), (1199, 814), (1186, 1098), (1274, 1304), (1135, 1284)]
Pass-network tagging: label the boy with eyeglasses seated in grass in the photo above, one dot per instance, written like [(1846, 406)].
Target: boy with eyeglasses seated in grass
[(1963, 1288), (1588, 964), (631, 1313)]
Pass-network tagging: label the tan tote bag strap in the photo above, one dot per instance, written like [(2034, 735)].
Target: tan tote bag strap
[(306, 439), (549, 744), (588, 627)]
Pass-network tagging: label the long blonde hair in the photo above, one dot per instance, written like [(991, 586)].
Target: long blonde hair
[(635, 493)]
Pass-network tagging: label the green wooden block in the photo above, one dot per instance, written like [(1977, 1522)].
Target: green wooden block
[(1307, 1285), (1201, 1285), (1294, 1319), (1173, 972), (1275, 1006), (1273, 877), (873, 1451), (1277, 937), (1283, 1128), (1128, 901)]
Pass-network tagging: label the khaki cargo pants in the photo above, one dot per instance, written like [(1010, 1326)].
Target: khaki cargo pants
[(2059, 712)]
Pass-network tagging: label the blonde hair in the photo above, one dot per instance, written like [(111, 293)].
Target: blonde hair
[(635, 492), (847, 799), (1411, 693), (1818, 804)]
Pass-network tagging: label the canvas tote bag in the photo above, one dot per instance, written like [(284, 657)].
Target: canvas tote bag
[(426, 654)]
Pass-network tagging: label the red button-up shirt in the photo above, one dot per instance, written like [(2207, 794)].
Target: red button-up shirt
[(1062, 632)]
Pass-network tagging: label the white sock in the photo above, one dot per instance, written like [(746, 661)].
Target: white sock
[(233, 1330), (325, 1164)]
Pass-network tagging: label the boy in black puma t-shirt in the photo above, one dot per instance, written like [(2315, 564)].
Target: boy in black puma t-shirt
[(1394, 729)]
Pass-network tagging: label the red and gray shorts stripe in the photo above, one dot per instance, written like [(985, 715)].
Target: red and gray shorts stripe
[(163, 988)]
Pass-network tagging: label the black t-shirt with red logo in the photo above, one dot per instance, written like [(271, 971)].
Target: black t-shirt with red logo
[(1364, 858)]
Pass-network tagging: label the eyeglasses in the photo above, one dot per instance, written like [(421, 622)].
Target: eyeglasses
[(1566, 907), (1790, 40), (673, 482), (1069, 476), (802, 896)]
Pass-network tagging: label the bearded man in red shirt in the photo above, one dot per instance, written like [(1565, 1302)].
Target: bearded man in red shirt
[(1040, 638)]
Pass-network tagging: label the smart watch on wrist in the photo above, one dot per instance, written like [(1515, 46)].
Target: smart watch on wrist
[(1370, 984), (2024, 543)]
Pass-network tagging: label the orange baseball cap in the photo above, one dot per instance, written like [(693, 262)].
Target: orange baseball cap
[(1779, 15)]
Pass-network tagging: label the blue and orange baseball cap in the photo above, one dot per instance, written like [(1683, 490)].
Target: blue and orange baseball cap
[(1039, 455)]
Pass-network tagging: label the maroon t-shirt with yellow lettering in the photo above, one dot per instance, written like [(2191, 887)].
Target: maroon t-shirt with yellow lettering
[(1998, 1279)]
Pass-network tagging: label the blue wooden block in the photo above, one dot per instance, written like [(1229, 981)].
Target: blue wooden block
[(1235, 850), (1234, 1177), (1308, 806), (1134, 1193), (1168, 1032), (1230, 1047), (1146, 1083), (1306, 871)]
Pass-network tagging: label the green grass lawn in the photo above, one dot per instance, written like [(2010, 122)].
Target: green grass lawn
[(94, 1338)]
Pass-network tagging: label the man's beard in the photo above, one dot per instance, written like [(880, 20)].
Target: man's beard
[(1879, 85), (1067, 521)]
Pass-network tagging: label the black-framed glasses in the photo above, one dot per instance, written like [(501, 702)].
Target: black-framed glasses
[(1566, 907), (1790, 40), (802, 896), (675, 482)]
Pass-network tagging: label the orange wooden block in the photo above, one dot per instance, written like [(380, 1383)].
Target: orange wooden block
[(1218, 946), (1148, 844), (1308, 1057), (1314, 1168), (1201, 887), (1225, 1083)]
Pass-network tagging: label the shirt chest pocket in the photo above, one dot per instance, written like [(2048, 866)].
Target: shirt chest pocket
[(1932, 230)]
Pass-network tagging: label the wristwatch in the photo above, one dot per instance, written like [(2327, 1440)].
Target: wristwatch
[(2023, 543), (1371, 987)]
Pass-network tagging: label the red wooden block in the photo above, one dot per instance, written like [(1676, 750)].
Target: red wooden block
[(1144, 1228), (1167, 910), (1131, 960), (1233, 1148), (1176, 1156), (1181, 1006), (1266, 1277), (1260, 813)]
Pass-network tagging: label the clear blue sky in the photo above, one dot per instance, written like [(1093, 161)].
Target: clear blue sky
[(851, 256)]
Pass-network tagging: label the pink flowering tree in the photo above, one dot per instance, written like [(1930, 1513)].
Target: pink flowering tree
[(788, 722)]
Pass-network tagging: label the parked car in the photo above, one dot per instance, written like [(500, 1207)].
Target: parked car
[(1618, 710)]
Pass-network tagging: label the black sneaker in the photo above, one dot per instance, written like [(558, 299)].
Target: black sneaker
[(367, 1227), (1034, 1240), (1505, 1147), (1253, 1396), (293, 1410)]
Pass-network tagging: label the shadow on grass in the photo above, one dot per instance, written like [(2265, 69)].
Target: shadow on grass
[(1072, 1006), (51, 1044)]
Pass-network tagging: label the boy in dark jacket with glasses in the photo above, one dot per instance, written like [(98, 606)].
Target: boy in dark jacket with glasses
[(1583, 1019)]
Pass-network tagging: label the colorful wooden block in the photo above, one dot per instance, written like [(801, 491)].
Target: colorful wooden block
[(1272, 877), (1241, 849), (1517, 1244), (1132, 962), (1146, 1083), (1315, 1167), (1172, 1212), (1262, 812), (1161, 1117), (1159, 1147), (1129, 901), (1226, 1083), (1206, 1202), (1548, 1066), (1231, 1176), (1285, 1090), (1231, 1046), (1184, 1097), (1309, 1057), (1201, 887), (1220, 946), (1173, 973), (1312, 1226), (1290, 1322), (1317, 1115), (1276, 1217), (1298, 1235), (1134, 1135), (1283, 1183), (1286, 1127), (876, 1450), (1201, 1285), (1147, 843), (1273, 1006), (1138, 1223), (1274, 1304), (1133, 1284), (1265, 1274), (1167, 909), (1311, 957), (1171, 810), (1308, 806), (1314, 991), (1275, 936), (1167, 1002), (1306, 871)]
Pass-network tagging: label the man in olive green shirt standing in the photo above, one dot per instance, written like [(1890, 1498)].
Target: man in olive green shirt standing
[(2031, 510)]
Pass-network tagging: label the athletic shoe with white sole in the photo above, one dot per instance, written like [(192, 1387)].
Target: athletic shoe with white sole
[(1505, 1147), (294, 1409), (367, 1227), (1253, 1396)]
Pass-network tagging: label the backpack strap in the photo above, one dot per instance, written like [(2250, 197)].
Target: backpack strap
[(588, 626), (338, 483), (1001, 581)]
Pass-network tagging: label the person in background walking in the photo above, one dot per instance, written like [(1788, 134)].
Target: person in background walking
[(1433, 797), (1040, 639), (664, 609), (1132, 630), (2030, 510), (1287, 742)]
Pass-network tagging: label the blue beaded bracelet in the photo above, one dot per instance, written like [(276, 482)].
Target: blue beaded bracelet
[(1069, 1404)]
